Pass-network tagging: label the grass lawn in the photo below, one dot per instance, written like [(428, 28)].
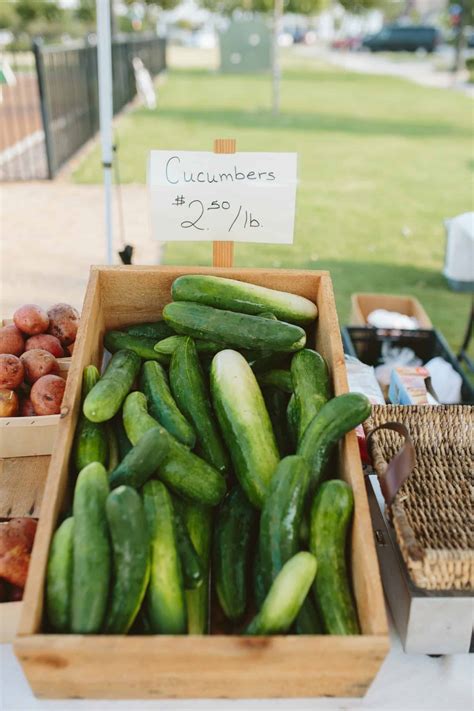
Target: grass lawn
[(382, 162)]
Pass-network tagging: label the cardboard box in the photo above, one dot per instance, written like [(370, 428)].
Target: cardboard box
[(364, 304)]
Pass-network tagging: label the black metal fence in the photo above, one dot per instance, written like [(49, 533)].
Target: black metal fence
[(66, 110), (22, 152)]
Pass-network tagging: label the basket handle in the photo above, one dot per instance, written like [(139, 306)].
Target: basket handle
[(401, 466)]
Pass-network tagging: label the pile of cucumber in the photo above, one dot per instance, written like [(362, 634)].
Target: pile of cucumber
[(203, 461)]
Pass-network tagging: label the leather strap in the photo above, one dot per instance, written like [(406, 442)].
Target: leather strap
[(400, 467)]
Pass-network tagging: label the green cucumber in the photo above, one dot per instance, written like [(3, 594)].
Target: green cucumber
[(144, 347), (106, 397), (267, 314), (233, 329), (310, 377), (281, 517), (136, 419), (161, 404), (335, 419), (193, 573), (90, 439), (192, 395), (157, 330), (184, 472), (245, 423), (276, 401), (330, 517), (124, 444), (91, 558), (90, 377), (233, 539), (263, 361), (286, 597), (259, 589), (277, 378), (292, 420), (169, 345), (131, 558), (245, 298), (165, 602), (59, 577), (198, 520), (142, 461), (112, 446), (308, 620)]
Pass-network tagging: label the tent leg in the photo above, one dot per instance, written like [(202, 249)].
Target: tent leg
[(104, 63), (108, 213)]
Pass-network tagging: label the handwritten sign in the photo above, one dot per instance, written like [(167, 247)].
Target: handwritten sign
[(239, 197)]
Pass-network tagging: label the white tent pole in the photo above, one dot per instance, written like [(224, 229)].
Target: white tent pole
[(104, 62)]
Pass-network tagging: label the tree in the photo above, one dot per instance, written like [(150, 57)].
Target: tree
[(51, 11), (300, 7), (7, 16), (28, 11), (356, 6), (85, 12), (466, 17)]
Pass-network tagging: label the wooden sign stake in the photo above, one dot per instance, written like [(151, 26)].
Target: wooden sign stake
[(223, 252)]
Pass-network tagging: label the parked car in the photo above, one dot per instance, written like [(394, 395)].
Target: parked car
[(347, 43), (396, 38)]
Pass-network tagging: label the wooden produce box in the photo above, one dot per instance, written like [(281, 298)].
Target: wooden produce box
[(31, 436), (116, 667), (22, 483), (364, 304)]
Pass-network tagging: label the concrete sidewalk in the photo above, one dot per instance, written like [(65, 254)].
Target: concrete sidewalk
[(424, 71), (51, 232)]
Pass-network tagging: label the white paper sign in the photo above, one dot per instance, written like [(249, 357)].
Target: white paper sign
[(241, 197)]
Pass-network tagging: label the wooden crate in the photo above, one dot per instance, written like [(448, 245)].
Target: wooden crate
[(22, 484), (363, 304), (31, 436), (209, 666)]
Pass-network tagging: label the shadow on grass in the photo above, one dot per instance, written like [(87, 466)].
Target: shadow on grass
[(351, 275), (305, 122), (380, 276)]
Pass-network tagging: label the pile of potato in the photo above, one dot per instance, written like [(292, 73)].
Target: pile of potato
[(30, 383)]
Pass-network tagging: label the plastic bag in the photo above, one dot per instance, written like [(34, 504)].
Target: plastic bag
[(394, 357), (445, 380), (381, 318)]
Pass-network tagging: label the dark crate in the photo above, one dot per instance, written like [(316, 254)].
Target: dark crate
[(366, 345)]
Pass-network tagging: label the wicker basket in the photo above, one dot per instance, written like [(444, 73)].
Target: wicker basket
[(432, 510)]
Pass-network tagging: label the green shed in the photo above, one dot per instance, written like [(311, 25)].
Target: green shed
[(245, 46)]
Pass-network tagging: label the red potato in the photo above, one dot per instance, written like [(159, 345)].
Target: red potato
[(16, 541), (47, 395), (31, 319), (9, 403), (45, 342), (63, 322), (70, 348), (26, 408), (11, 371), (11, 340), (37, 363)]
